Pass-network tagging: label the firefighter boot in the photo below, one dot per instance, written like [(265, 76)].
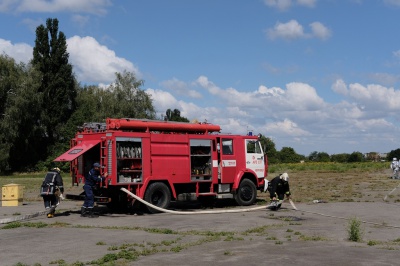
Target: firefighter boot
[(92, 214), (84, 212)]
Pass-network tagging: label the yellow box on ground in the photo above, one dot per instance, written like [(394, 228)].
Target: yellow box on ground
[(12, 195)]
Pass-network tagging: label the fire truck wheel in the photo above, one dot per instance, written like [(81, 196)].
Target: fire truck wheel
[(247, 193), (159, 195)]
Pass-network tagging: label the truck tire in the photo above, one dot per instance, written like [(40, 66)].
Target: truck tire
[(246, 193), (159, 195)]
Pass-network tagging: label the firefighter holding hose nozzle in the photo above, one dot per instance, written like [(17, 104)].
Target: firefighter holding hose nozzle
[(278, 188), (91, 180)]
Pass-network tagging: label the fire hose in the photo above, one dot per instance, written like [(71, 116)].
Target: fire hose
[(190, 213), (241, 210)]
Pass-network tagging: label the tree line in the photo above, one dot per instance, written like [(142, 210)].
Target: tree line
[(42, 104)]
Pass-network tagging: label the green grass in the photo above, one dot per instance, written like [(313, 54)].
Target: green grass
[(336, 167)]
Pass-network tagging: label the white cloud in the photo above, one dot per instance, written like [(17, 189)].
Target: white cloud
[(294, 30), (96, 63), (340, 87), (21, 52), (296, 116), (375, 97), (163, 100), (275, 91), (320, 31), (289, 30), (92, 62), (180, 88), (302, 96), (98, 7), (286, 127)]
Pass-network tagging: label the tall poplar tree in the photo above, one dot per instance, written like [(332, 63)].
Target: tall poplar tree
[(58, 89)]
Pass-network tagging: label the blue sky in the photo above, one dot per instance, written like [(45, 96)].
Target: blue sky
[(314, 75)]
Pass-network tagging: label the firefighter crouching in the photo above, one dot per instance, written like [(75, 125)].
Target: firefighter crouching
[(278, 188), (91, 180)]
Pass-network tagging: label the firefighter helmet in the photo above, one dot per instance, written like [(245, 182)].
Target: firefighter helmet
[(56, 169), (285, 177)]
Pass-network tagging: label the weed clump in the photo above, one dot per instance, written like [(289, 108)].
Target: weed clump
[(355, 231)]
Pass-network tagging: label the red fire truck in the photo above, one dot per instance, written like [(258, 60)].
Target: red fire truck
[(161, 161)]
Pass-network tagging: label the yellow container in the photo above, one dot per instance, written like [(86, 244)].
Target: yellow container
[(12, 195)]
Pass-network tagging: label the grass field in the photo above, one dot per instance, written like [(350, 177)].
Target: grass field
[(331, 182)]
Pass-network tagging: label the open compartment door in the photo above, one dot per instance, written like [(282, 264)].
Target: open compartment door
[(77, 151)]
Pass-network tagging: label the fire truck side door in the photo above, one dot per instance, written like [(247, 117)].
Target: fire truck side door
[(227, 163), (254, 157)]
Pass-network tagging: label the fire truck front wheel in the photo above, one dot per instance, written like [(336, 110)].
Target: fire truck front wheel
[(247, 193), (159, 195)]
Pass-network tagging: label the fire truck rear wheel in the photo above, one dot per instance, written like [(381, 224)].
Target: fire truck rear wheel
[(159, 195), (247, 193)]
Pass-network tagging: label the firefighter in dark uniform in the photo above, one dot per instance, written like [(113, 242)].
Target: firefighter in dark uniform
[(91, 180), (278, 188), (51, 200)]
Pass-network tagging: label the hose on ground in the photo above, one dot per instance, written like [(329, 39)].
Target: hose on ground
[(189, 213)]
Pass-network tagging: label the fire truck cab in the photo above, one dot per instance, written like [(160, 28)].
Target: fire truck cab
[(161, 161)]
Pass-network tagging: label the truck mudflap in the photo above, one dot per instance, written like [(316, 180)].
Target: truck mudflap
[(80, 197)]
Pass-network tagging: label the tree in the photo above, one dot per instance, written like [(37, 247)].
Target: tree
[(340, 158), (10, 74), (58, 87), (175, 115), (356, 157), (288, 155), (269, 148), (319, 157), (21, 133), (393, 154), (129, 100)]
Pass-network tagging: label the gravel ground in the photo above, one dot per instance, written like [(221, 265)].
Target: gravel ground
[(315, 234)]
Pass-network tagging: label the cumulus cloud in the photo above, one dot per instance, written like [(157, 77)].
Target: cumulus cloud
[(286, 127), (98, 7), (92, 62), (180, 88), (375, 97), (21, 52), (340, 87), (164, 100), (96, 63), (320, 31), (294, 30), (296, 116), (289, 30)]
